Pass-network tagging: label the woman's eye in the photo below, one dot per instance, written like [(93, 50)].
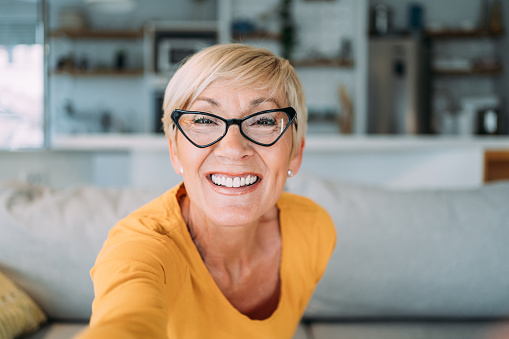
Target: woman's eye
[(203, 121), (265, 121)]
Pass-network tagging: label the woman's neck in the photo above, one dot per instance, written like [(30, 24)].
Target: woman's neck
[(230, 247)]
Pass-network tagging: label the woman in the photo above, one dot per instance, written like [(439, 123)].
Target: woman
[(226, 254)]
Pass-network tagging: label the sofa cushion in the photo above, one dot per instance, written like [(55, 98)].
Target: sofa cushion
[(49, 240), (58, 330), (406, 330), (413, 253), (19, 314)]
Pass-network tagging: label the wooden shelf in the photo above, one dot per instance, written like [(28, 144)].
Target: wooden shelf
[(483, 72), (96, 34), (323, 63), (467, 34), (261, 35), (100, 72)]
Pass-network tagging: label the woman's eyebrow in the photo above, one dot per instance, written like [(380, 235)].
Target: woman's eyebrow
[(209, 100), (253, 103), (259, 101)]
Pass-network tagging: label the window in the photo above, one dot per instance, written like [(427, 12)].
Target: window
[(21, 75)]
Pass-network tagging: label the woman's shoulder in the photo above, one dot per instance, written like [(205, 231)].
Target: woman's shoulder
[(310, 226), (161, 215), (149, 235), (305, 212), (295, 202)]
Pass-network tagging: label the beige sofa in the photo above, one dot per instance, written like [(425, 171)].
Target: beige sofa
[(420, 264)]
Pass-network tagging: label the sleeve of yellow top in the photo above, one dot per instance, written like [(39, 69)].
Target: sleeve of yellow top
[(130, 287), (326, 242)]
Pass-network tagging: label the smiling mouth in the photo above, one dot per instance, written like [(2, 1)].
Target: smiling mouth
[(227, 181)]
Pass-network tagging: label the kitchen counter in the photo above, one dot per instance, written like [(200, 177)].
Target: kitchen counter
[(314, 143)]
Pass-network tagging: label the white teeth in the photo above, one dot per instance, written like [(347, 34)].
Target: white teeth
[(236, 182), (233, 182)]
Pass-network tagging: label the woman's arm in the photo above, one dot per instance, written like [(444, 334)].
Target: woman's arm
[(131, 289)]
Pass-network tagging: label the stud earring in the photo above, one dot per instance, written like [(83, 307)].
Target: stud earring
[(181, 170), (290, 173)]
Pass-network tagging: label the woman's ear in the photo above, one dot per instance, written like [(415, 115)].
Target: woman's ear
[(175, 160), (296, 160)]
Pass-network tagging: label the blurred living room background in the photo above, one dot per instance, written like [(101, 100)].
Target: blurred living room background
[(402, 94)]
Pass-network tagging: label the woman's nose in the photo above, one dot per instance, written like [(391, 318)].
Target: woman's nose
[(233, 145)]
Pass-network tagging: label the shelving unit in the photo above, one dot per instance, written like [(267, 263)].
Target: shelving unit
[(83, 64), (473, 67)]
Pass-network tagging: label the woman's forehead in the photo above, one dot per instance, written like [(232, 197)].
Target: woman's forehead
[(223, 90)]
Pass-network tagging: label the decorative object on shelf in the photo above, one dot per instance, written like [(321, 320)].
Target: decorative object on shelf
[(323, 120), (173, 46), (74, 19), (106, 122), (483, 15), (83, 64), (65, 63), (381, 19), (487, 64), (120, 60), (496, 22), (346, 117), (445, 112), (243, 27), (488, 121), (470, 110), (288, 39), (415, 17), (345, 50)]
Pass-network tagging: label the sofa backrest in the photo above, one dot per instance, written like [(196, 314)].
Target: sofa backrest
[(412, 253), (399, 254), (49, 240)]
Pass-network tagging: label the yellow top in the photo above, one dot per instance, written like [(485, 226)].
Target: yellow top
[(150, 281)]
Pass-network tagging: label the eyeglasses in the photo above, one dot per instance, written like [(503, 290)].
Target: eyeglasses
[(264, 128)]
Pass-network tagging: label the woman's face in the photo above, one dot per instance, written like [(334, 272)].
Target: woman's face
[(234, 160)]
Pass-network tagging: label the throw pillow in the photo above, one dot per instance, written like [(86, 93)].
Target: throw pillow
[(19, 314)]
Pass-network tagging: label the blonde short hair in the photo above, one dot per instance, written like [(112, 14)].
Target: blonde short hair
[(242, 66)]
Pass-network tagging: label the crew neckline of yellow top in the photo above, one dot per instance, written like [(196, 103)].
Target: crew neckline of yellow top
[(180, 191)]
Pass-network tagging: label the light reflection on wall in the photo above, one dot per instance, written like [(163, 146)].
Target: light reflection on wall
[(21, 96)]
